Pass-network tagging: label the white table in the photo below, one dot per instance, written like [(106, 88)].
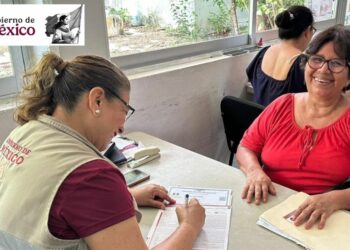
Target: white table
[(180, 167)]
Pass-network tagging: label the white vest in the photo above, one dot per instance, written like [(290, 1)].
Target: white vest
[(34, 161)]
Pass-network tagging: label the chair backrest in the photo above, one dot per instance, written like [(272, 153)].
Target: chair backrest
[(237, 115)]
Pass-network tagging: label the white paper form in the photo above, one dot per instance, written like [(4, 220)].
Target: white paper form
[(214, 234), (205, 196), (217, 204)]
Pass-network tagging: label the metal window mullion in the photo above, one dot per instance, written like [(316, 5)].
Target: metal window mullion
[(341, 11), (10, 85), (252, 21), (18, 65)]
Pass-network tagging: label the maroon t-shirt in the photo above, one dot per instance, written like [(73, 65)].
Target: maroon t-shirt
[(92, 198)]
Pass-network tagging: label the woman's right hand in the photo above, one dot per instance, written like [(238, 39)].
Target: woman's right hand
[(258, 186), (193, 215)]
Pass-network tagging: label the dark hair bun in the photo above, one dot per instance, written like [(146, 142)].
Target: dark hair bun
[(284, 20), (293, 22)]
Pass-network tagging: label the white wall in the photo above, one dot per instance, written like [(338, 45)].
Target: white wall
[(183, 106)]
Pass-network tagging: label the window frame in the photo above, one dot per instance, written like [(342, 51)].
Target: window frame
[(168, 54), (10, 85), (344, 7)]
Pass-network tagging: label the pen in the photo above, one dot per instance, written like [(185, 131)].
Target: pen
[(186, 200)]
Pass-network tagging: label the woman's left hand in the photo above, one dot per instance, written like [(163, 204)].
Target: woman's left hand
[(315, 209), (151, 195)]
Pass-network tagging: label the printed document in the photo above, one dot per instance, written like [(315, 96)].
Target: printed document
[(335, 235), (205, 196), (217, 204)]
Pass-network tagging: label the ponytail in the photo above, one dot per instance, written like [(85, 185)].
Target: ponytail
[(54, 82), (37, 93)]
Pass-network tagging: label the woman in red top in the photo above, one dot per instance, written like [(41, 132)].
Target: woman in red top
[(303, 140)]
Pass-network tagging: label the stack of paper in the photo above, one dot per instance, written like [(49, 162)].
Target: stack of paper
[(334, 236)]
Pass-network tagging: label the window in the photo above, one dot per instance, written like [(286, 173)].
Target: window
[(11, 70), (144, 32), (137, 26), (323, 9), (347, 13), (267, 10), (6, 69)]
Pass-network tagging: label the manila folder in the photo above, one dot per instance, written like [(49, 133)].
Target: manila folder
[(335, 235)]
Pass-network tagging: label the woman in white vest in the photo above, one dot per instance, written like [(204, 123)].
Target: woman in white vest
[(56, 189)]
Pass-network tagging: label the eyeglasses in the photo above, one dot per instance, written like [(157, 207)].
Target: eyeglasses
[(130, 111), (335, 65), (313, 29)]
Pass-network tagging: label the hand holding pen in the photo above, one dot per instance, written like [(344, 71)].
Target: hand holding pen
[(191, 214)]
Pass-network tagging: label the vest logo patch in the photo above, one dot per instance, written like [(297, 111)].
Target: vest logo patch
[(14, 152)]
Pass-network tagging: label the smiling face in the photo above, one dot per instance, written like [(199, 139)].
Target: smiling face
[(322, 83), (112, 120)]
